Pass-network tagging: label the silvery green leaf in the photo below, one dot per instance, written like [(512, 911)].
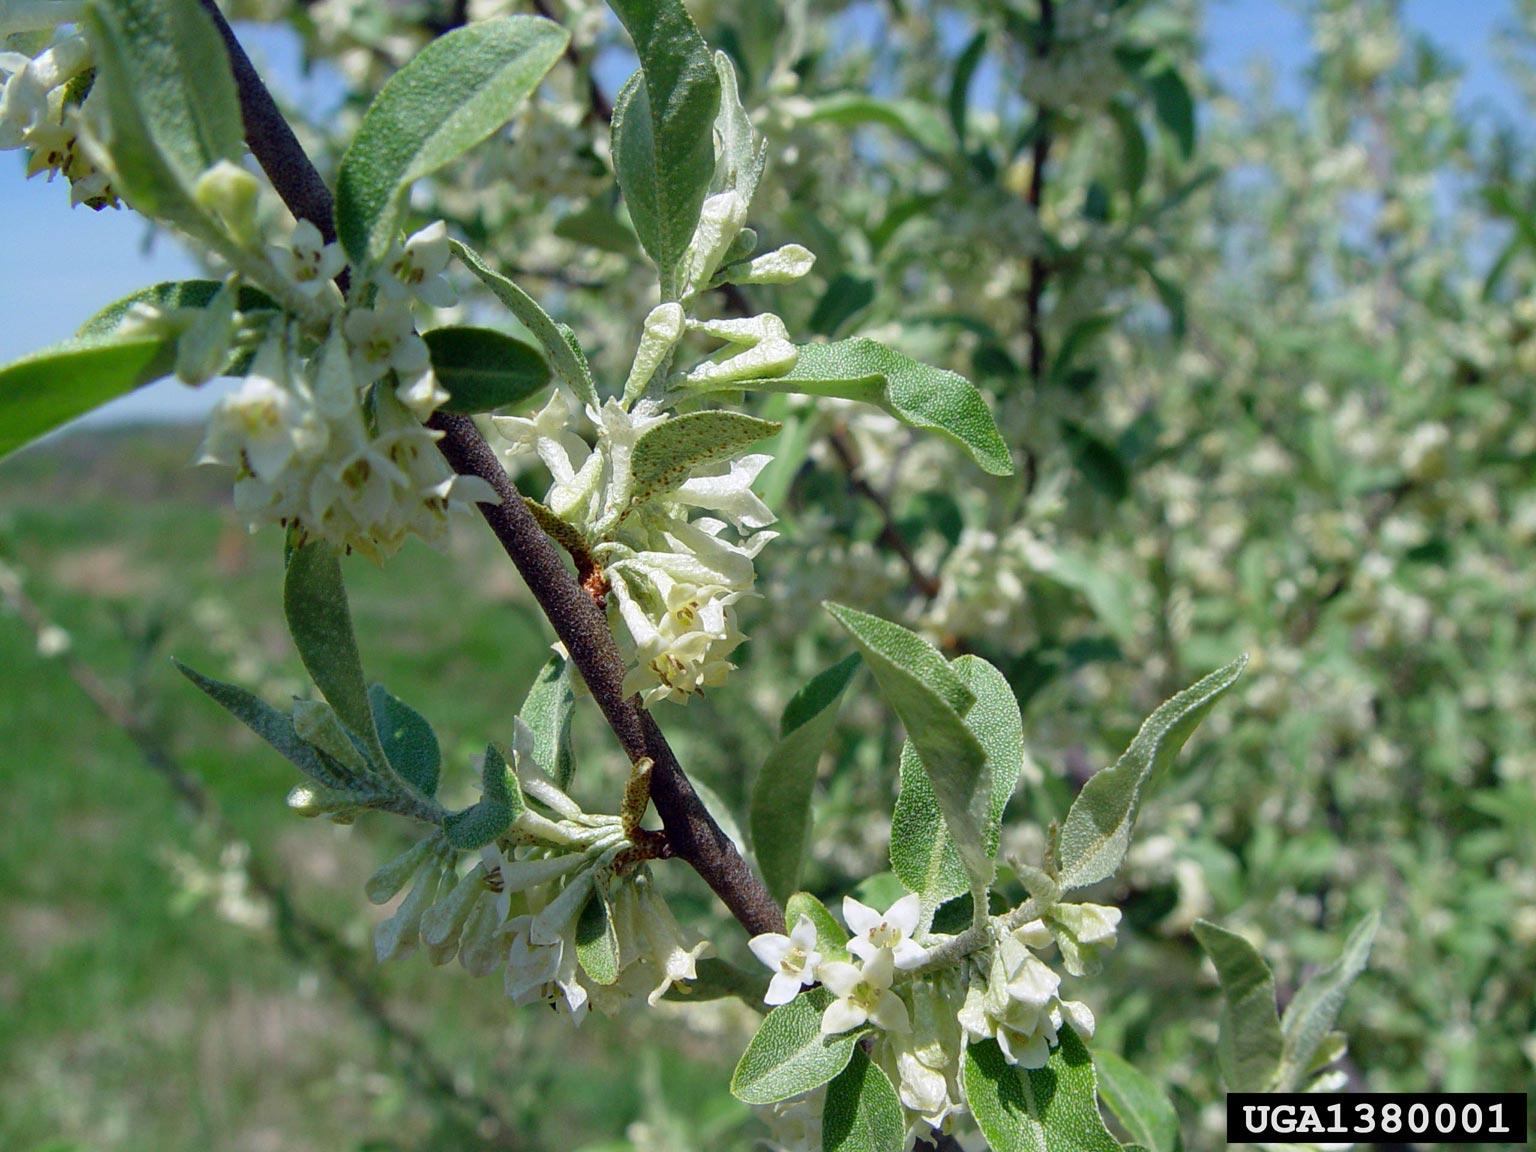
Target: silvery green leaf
[(861, 1112), (914, 119), (500, 803), (558, 341), (1250, 1042), (1310, 1016), (667, 453), (315, 604), (931, 699), (740, 153), (409, 743), (547, 712), (922, 851), (663, 127), (917, 394), (454, 93), (716, 979), (1097, 829), (482, 369), (597, 944), (393, 875), (781, 795), (170, 296), (1138, 1103), (831, 937), (1049, 1109), (789, 1056)]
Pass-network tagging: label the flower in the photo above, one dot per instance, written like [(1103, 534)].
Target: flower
[(417, 269), (792, 958), (891, 932), (863, 995), (308, 261), (384, 338), (1083, 932), (269, 422)]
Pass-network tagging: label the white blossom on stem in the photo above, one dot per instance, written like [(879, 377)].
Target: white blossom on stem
[(793, 960)]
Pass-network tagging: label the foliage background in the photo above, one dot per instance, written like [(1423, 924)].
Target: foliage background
[(1285, 407)]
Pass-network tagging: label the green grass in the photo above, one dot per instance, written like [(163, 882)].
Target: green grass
[(133, 1015)]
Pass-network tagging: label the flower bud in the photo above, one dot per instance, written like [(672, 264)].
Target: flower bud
[(230, 192)]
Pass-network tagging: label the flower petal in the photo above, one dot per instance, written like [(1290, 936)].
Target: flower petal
[(840, 1016)]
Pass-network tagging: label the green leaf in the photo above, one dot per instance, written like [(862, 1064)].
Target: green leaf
[(500, 803), (597, 226), (40, 392), (409, 743), (931, 698), (1097, 830), (831, 937), (315, 603), (452, 94), (484, 369), (960, 86), (1097, 459), (789, 1056), (1133, 152), (1249, 1045), (781, 796), (557, 340), (923, 854), (597, 944), (273, 726), (1312, 1011), (1049, 1109), (913, 119), (169, 296), (663, 127), (668, 452), (716, 979), (861, 1112), (916, 394), (1138, 1103), (846, 296), (1175, 108), (172, 109), (547, 712)]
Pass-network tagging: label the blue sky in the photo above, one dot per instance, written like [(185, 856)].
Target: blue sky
[(60, 265)]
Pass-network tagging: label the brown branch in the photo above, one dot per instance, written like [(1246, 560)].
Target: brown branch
[(580, 624), (1038, 272), (890, 535)]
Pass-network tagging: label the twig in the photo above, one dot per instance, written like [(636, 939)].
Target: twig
[(1040, 154), (890, 535), (580, 624)]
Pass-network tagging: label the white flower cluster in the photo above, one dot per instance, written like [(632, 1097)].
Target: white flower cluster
[(44, 110), (1003, 992), (518, 907), (333, 440)]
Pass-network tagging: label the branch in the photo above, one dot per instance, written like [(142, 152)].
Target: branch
[(580, 624), (890, 535), (1040, 154)]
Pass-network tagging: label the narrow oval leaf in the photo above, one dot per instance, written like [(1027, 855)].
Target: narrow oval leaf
[(409, 743), (557, 340), (663, 127), (915, 120), (917, 394), (501, 802), (47, 389), (922, 853), (1311, 1014), (789, 1056), (831, 937), (482, 369), (781, 796), (666, 454), (930, 698), (1097, 830), (453, 94), (169, 296), (862, 1112), (315, 603), (1138, 1103), (547, 712), (1049, 1109), (597, 944), (716, 979), (1249, 1044)]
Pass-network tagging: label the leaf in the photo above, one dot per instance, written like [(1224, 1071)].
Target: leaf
[(930, 698), (484, 369), (1175, 108), (1098, 461), (315, 604), (1133, 150), (740, 154), (598, 227), (861, 1112), (668, 452), (663, 127), (1312, 1011), (831, 937), (454, 93), (547, 712), (273, 726), (1139, 1104), (716, 979), (1049, 1109), (597, 944), (172, 109), (846, 296), (500, 803), (40, 392), (409, 743), (1097, 829), (923, 854), (789, 1056), (169, 296), (916, 394), (781, 796), (557, 340), (1249, 1045), (960, 85), (1110, 593), (911, 118)]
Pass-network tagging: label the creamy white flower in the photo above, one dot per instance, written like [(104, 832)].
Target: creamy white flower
[(730, 494), (269, 421), (793, 959), (384, 338), (863, 995), (307, 260), (890, 931), (671, 958), (417, 269), (544, 972)]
